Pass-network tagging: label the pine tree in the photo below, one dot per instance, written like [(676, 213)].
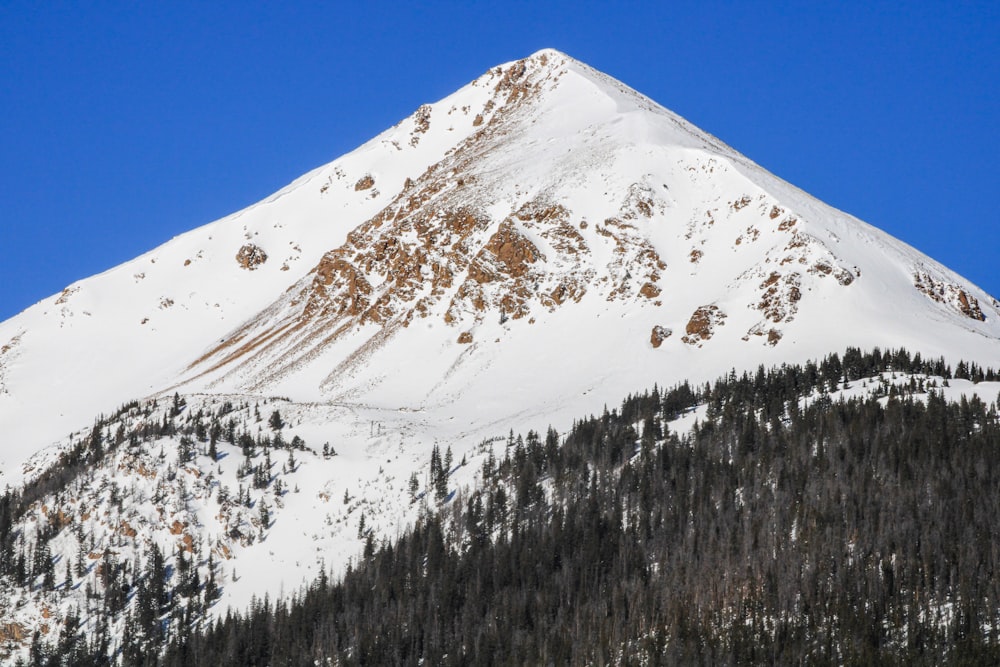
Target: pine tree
[(265, 516), (81, 563), (414, 487), (212, 591)]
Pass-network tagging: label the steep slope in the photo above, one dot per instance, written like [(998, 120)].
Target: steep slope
[(222, 499), (538, 244), (589, 235), (129, 332), (544, 217)]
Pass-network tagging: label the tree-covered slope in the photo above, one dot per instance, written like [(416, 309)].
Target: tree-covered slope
[(778, 531)]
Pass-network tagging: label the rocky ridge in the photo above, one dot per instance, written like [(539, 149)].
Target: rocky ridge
[(516, 255), (504, 228)]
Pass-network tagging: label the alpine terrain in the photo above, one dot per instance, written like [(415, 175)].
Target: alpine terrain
[(265, 399)]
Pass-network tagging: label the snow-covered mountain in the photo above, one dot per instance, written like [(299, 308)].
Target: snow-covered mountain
[(521, 253), (536, 242)]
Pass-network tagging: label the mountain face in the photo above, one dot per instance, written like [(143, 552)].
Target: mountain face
[(544, 216), (539, 243), (570, 198)]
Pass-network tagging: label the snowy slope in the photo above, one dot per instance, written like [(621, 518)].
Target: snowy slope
[(128, 332), (322, 503), (526, 272), (524, 252), (510, 251)]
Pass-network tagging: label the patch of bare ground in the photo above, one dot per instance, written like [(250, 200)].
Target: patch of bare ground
[(701, 327), (250, 256), (948, 294), (658, 335)]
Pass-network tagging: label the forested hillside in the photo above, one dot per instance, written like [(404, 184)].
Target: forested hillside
[(778, 531), (311, 463)]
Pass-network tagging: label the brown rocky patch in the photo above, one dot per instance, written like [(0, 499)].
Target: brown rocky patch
[(701, 326), (969, 306), (563, 291), (740, 203), (12, 632), (658, 335), (650, 291), (465, 338), (949, 294), (422, 119), (512, 252), (636, 260), (787, 224), (779, 299), (775, 212), (366, 182), (251, 256), (823, 268), (696, 255), (352, 288), (11, 344), (66, 294), (512, 75), (478, 120), (773, 335)]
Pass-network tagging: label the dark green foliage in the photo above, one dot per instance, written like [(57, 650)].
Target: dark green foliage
[(275, 421), (841, 532), (781, 531)]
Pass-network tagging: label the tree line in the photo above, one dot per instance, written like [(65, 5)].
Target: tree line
[(789, 525)]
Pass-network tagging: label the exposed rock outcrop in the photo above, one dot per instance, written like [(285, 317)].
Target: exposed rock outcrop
[(658, 335), (251, 256), (948, 294), (701, 327)]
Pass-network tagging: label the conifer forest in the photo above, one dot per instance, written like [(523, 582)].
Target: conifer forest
[(782, 524)]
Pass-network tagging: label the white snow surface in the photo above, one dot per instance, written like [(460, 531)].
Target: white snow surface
[(655, 205)]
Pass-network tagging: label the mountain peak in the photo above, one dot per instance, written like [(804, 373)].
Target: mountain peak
[(561, 193), (525, 251), (543, 217)]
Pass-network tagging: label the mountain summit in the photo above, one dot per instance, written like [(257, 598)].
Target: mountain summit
[(564, 198), (537, 242), (251, 404)]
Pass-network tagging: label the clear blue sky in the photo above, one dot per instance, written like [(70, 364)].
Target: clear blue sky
[(124, 124)]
